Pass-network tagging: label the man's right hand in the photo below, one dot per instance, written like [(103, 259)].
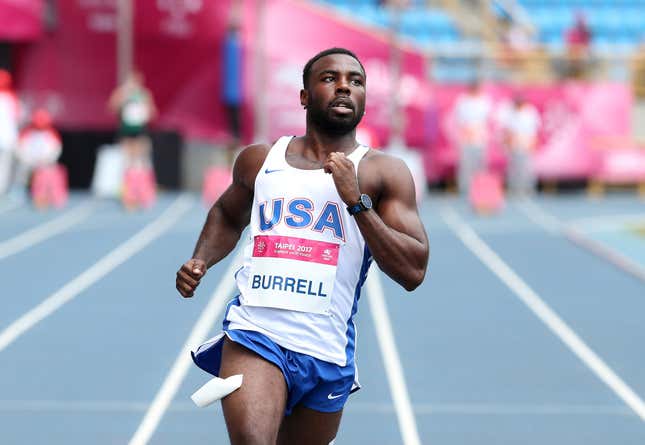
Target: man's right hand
[(189, 275)]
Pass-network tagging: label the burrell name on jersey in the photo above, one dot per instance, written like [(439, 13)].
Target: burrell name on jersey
[(304, 264)]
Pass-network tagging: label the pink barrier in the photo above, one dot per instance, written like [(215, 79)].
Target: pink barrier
[(216, 181), (621, 166), (486, 193), (139, 188), (49, 186)]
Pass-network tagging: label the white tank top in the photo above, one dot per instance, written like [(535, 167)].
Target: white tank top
[(304, 264)]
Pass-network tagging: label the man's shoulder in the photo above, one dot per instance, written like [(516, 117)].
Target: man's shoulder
[(382, 161), (252, 156), (257, 148)]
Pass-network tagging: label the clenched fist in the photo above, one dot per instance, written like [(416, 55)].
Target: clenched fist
[(189, 276), (342, 170)]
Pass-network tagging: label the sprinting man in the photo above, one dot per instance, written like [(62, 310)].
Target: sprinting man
[(320, 208)]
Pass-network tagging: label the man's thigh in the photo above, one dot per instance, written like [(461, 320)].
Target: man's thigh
[(307, 426), (254, 412)]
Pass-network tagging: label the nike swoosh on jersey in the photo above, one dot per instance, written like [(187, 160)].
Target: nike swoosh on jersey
[(267, 171), (331, 396)]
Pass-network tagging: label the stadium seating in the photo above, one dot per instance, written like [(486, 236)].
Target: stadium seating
[(620, 22), (418, 23), (617, 27)]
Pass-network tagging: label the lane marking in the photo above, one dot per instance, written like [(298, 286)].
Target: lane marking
[(45, 231), (553, 225), (8, 207), (391, 360), (183, 362), (500, 409), (540, 218), (613, 222), (97, 271), (531, 299)]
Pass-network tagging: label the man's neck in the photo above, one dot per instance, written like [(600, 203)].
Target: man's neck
[(322, 144)]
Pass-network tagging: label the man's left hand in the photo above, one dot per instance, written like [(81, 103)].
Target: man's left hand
[(344, 174)]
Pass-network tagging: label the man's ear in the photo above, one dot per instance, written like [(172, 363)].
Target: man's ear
[(304, 98)]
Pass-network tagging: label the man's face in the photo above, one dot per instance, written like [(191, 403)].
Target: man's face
[(335, 96)]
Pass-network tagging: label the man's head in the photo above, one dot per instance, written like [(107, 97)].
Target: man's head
[(334, 91), (518, 100), (41, 119), (474, 86)]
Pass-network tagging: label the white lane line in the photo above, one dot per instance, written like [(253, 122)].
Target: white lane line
[(97, 271), (487, 256), (553, 225), (182, 363), (498, 409), (392, 362), (9, 207), (539, 217), (612, 222), (492, 409), (44, 231), (618, 259)]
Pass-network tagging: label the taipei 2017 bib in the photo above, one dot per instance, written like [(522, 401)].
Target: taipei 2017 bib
[(292, 273)]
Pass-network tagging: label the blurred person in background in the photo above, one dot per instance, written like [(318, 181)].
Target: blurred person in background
[(471, 113), (398, 148), (217, 177), (135, 107), (39, 148), (578, 40), (307, 200), (520, 125), (9, 116), (232, 78)]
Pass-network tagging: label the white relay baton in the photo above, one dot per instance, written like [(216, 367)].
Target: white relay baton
[(215, 389)]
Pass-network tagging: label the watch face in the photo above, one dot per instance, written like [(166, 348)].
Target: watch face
[(366, 201)]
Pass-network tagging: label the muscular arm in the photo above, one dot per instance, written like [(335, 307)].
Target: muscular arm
[(393, 230), (224, 224), (225, 221)]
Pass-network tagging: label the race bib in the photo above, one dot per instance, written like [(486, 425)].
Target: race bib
[(292, 273)]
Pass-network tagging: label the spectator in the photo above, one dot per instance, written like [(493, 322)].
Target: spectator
[(578, 38), (39, 148), (135, 106), (520, 126), (232, 76), (519, 38), (8, 129), (471, 113)]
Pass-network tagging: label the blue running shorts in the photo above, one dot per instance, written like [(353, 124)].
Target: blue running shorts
[(316, 384)]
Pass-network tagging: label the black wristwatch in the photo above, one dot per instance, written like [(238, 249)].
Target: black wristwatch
[(364, 203)]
